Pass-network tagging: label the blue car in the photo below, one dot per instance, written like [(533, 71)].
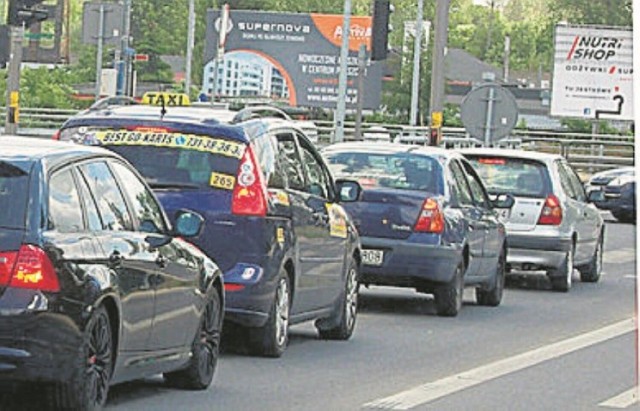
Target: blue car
[(425, 222), (273, 220)]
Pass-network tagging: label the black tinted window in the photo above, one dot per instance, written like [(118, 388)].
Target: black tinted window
[(13, 195), (91, 208), (517, 176), (111, 205), (65, 212), (288, 158)]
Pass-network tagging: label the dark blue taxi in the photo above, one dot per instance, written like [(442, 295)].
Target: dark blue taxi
[(274, 223)]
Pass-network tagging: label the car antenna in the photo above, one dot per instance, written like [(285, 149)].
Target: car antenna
[(163, 107)]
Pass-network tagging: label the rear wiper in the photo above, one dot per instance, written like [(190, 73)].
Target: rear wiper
[(170, 184)]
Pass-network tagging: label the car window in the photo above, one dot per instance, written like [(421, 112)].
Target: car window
[(477, 191), (577, 186), (111, 205), (145, 208), (290, 160), (318, 182), (402, 171), (517, 176), (460, 189), (565, 181), (94, 223), (65, 211), (14, 184)]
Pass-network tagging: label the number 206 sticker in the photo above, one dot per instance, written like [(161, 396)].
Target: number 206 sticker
[(223, 181)]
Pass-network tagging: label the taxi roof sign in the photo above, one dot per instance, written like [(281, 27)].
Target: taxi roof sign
[(154, 98)]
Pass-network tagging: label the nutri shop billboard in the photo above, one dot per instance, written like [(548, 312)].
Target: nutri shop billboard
[(593, 73), (302, 49)]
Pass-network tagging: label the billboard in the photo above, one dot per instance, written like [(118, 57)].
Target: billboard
[(592, 73), (292, 56)]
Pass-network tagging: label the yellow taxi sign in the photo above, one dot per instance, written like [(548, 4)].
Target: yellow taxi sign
[(156, 98)]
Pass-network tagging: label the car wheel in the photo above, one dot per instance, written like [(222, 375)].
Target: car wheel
[(492, 297), (561, 277), (88, 388), (591, 272), (204, 352), (343, 321), (449, 296), (271, 339)]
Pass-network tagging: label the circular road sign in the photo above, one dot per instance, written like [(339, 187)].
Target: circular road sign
[(489, 112)]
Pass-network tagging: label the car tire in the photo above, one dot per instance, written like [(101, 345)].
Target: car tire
[(492, 297), (448, 297), (205, 350), (271, 339), (562, 277), (89, 386), (590, 273), (343, 321)]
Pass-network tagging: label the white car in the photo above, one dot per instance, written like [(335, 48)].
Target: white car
[(553, 225)]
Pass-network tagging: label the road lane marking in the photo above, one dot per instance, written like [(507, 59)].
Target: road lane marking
[(431, 391), (621, 401), (621, 256)]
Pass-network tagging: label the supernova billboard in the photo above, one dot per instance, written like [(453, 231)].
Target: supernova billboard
[(593, 73), (304, 49)]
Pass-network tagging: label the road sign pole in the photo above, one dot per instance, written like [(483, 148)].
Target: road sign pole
[(13, 81), (415, 83), (190, 43), (437, 69), (341, 106), (362, 56), (99, 52), (489, 119)]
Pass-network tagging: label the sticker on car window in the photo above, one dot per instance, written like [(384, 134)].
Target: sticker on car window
[(223, 181), (337, 220), (279, 197), (172, 140)]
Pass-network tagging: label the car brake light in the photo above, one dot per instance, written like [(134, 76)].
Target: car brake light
[(56, 135), (7, 261), (551, 213), (229, 287), (249, 193), (33, 270), (430, 219)]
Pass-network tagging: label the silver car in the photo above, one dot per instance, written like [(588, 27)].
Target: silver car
[(553, 225)]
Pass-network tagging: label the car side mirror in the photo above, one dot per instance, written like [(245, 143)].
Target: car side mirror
[(348, 190), (505, 200), (188, 223), (596, 196)]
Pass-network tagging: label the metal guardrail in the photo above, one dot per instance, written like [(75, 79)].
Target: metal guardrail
[(584, 151)]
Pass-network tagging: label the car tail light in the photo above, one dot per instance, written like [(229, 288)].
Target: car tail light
[(430, 219), (56, 135), (31, 268), (249, 193), (551, 212)]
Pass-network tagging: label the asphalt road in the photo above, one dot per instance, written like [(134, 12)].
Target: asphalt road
[(540, 350)]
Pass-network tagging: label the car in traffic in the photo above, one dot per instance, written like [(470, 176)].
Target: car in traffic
[(425, 222), (96, 287), (619, 188), (274, 222), (554, 225)]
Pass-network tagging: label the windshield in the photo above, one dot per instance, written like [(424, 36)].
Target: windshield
[(516, 176), (13, 195), (399, 171)]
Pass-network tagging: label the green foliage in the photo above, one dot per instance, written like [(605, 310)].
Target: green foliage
[(48, 88), (586, 126)]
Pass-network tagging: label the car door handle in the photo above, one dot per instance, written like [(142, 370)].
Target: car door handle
[(115, 259), (161, 261)]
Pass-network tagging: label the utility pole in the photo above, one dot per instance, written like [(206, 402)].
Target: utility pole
[(362, 56), (13, 81), (342, 79), (441, 27), (125, 55), (507, 52), (99, 53), (190, 43), (415, 83)]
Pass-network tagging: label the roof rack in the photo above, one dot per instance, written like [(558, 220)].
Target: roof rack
[(252, 112)]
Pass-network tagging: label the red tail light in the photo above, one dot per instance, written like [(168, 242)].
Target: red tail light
[(249, 193), (229, 287), (56, 135), (430, 219), (28, 268), (551, 212)]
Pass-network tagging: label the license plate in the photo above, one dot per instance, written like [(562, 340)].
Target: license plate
[(372, 257), (503, 213)]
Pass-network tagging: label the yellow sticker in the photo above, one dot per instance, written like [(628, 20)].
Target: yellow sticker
[(14, 99), (172, 140), (280, 235), (337, 220), (170, 99), (223, 181), (280, 197)]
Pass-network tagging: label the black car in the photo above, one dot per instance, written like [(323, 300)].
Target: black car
[(619, 189), (95, 286)]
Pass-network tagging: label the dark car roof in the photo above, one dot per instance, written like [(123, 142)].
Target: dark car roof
[(35, 149)]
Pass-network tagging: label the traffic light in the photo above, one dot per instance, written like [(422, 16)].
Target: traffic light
[(380, 28), (5, 46), (25, 12)]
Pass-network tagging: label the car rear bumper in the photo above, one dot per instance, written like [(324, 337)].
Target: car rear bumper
[(248, 299), (537, 251), (38, 347), (410, 264)]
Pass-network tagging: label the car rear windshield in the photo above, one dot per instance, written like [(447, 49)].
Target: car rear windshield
[(401, 171), (14, 188), (517, 176), (169, 159)]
